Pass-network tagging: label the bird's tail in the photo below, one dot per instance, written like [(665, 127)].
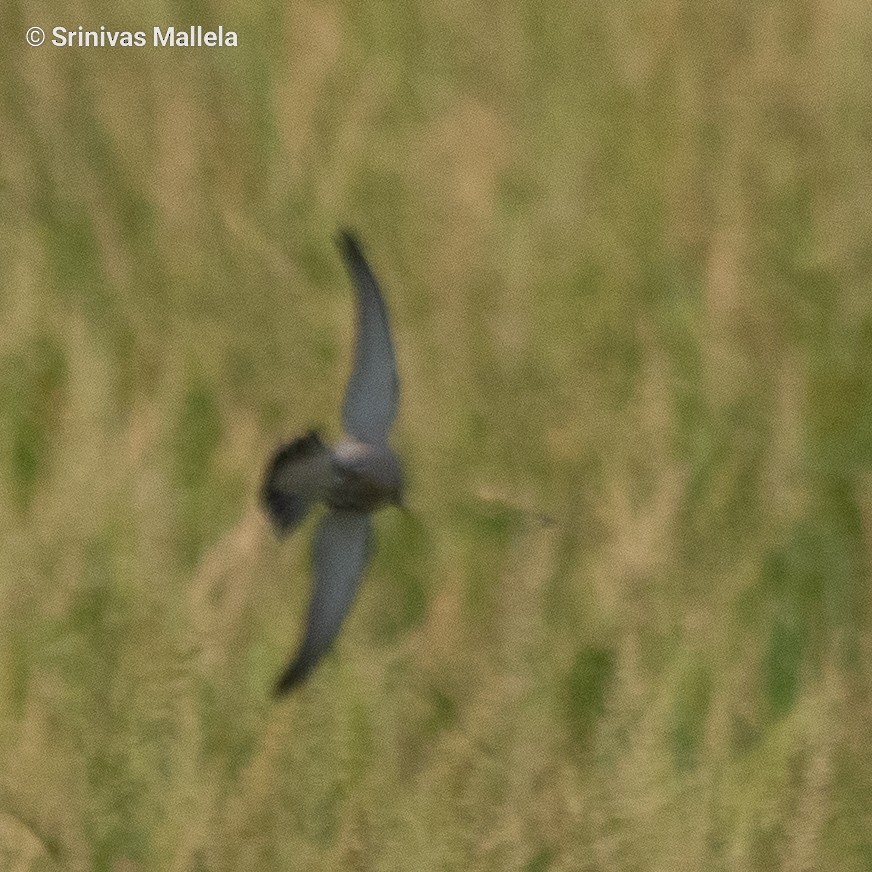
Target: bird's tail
[(298, 476)]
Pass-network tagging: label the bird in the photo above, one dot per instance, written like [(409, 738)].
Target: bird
[(354, 477)]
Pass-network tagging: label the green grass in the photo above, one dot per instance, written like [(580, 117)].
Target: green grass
[(626, 253)]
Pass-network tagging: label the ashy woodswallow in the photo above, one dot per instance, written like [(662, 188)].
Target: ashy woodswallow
[(353, 478)]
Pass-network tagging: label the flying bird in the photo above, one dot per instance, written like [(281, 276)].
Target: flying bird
[(353, 478)]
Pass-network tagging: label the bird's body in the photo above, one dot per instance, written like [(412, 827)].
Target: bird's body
[(349, 476), (366, 477), (354, 477)]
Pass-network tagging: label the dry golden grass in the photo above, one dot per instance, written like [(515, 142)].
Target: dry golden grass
[(625, 249)]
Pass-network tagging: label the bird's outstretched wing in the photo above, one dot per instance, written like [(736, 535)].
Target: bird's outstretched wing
[(373, 390), (340, 552)]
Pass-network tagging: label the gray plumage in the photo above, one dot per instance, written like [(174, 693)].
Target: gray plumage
[(373, 391), (353, 478)]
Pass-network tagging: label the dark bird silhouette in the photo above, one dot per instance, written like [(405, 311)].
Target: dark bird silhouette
[(353, 478)]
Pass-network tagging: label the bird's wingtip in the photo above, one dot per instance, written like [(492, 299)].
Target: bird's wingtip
[(291, 677), (347, 241)]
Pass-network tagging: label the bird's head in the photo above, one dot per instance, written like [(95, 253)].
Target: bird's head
[(395, 485)]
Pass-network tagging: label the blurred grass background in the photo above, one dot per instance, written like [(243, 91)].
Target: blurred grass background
[(627, 251)]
